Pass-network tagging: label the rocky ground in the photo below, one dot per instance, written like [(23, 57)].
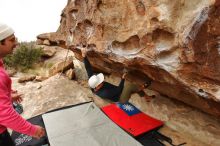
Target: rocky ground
[(182, 123)]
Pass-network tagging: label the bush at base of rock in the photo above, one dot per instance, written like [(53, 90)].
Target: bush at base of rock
[(24, 57)]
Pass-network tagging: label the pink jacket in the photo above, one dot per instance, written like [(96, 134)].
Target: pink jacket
[(8, 116)]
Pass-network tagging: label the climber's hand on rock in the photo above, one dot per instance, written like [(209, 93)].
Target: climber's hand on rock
[(84, 52), (124, 74)]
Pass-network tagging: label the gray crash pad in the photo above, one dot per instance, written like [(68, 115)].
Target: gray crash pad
[(84, 125)]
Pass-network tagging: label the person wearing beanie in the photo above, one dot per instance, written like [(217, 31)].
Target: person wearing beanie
[(9, 118), (109, 91)]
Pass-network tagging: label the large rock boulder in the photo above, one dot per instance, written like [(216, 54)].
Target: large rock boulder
[(175, 43), (61, 66), (49, 51)]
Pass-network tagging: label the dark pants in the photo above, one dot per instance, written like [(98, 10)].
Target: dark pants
[(5, 139)]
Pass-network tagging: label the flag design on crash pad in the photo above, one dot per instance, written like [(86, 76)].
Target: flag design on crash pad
[(131, 119)]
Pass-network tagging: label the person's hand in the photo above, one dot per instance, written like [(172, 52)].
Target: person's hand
[(124, 74), (84, 52), (40, 132), (16, 97)]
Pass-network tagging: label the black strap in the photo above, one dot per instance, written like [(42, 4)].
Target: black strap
[(162, 137)]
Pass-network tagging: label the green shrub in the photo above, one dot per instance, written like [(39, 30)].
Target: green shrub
[(24, 57)]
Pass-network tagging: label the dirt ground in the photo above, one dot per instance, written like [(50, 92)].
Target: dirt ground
[(181, 122)]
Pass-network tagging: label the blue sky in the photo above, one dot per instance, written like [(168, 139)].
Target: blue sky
[(31, 17)]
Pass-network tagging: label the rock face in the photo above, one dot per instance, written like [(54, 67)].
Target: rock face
[(61, 66), (175, 43)]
